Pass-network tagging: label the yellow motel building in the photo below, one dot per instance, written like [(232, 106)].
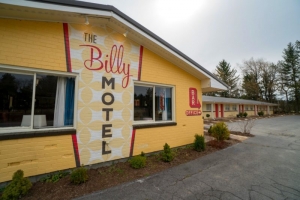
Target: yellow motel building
[(221, 107), (83, 84)]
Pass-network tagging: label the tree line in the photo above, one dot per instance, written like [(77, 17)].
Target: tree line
[(261, 80)]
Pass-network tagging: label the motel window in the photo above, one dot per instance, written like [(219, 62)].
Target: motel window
[(251, 107), (153, 103), (208, 107), (36, 100), (246, 107), (234, 107), (227, 107)]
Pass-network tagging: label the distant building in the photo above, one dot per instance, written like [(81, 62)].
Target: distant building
[(218, 107)]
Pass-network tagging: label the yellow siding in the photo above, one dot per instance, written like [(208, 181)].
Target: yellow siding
[(35, 155), (35, 45), (250, 112), (32, 44), (157, 70), (206, 111), (230, 113)]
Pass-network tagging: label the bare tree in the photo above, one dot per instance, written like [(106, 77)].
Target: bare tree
[(269, 81), (259, 79), (246, 126)]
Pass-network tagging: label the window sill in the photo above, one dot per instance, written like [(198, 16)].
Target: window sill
[(153, 125), (19, 134)]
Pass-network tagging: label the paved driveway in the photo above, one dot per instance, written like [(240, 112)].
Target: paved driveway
[(266, 166)]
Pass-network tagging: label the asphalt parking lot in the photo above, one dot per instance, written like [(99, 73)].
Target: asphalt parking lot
[(266, 166)]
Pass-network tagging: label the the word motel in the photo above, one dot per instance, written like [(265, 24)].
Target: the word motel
[(107, 99)]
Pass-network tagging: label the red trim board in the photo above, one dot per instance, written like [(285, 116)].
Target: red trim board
[(132, 142), (140, 62), (69, 69)]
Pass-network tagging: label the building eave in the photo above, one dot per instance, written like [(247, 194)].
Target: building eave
[(75, 12)]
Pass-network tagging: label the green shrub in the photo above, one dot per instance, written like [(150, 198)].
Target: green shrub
[(245, 114), (220, 131), (207, 115), (2, 189), (113, 169), (261, 113), (167, 154), (199, 143), (241, 114), (53, 178), (79, 175), (138, 162), (19, 186), (143, 154)]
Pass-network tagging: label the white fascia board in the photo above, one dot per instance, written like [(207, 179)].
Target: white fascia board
[(55, 7), (217, 84)]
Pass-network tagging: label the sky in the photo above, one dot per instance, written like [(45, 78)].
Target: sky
[(208, 31)]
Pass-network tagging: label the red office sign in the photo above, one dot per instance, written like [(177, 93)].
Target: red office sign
[(193, 112), (194, 103)]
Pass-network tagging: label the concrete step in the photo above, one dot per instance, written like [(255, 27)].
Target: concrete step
[(238, 137)]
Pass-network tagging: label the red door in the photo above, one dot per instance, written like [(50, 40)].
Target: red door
[(217, 110), (222, 110)]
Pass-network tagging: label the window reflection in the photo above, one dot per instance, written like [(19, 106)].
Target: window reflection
[(143, 103), (53, 101), (44, 100), (163, 104), (15, 98)]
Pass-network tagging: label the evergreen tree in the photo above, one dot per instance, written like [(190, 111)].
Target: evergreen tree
[(268, 82), (284, 81), (252, 70), (290, 71), (251, 87), (228, 76)]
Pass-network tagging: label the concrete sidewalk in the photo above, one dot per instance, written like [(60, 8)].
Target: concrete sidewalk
[(263, 167)]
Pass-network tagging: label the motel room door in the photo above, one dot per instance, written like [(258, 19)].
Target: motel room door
[(241, 108), (222, 110), (217, 110)]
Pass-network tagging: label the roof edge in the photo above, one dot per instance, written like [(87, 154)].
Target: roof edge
[(116, 11), (242, 101)]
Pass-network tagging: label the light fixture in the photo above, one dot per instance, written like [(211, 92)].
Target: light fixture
[(86, 20), (125, 34)]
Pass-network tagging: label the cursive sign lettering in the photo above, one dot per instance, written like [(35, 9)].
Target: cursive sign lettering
[(112, 64)]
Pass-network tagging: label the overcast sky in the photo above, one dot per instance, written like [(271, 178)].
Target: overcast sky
[(211, 30)]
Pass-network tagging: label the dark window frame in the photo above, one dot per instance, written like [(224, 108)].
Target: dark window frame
[(147, 123), (33, 72)]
